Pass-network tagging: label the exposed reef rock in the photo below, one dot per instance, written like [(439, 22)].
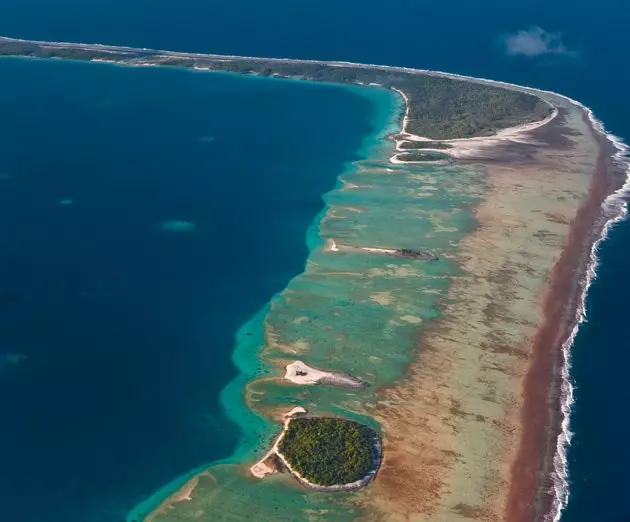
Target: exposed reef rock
[(416, 254)]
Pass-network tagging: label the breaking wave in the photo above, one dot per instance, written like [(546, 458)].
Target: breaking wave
[(614, 210)]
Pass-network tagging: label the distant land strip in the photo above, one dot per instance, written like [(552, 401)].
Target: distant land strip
[(440, 106)]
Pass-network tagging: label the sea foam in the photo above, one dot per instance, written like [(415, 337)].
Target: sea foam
[(614, 210)]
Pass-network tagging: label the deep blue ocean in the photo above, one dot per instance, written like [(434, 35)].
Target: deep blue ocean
[(581, 51), (146, 215)]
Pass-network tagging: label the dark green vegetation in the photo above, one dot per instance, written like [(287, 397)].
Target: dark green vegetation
[(439, 107), (329, 451), (34, 50), (415, 145), (422, 156)]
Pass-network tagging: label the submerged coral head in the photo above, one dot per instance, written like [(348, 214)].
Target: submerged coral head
[(177, 225)]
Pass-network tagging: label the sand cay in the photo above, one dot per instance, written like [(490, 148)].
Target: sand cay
[(300, 373), (462, 355)]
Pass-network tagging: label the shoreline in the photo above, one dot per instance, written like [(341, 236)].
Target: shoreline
[(245, 356), (560, 305), (612, 209), (566, 314)]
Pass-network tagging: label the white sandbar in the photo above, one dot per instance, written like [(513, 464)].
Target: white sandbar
[(300, 373)]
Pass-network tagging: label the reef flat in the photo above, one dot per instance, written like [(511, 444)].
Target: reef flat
[(447, 287)]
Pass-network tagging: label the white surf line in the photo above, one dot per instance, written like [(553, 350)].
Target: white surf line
[(615, 210)]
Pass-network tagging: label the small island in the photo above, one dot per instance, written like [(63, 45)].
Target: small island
[(416, 254), (425, 144), (428, 157), (330, 453), (300, 373)]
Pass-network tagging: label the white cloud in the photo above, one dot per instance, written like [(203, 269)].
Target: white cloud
[(534, 42)]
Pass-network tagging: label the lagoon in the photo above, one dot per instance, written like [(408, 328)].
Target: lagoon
[(134, 248)]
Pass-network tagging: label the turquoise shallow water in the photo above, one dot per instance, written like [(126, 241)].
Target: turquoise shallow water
[(351, 310), (149, 214)]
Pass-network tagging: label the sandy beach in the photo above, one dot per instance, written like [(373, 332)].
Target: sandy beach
[(262, 468)]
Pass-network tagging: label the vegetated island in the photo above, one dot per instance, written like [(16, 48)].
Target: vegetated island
[(331, 453), (439, 106), (324, 453)]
